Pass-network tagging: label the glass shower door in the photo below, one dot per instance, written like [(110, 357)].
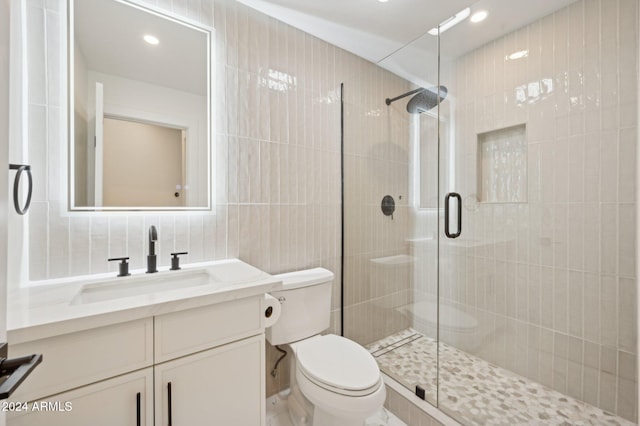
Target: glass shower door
[(483, 199)]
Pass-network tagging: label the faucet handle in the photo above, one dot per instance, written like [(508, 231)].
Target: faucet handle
[(123, 266), (175, 260)]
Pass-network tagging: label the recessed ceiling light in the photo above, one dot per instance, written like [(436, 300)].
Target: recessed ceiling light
[(151, 39), (383, 1), (450, 22), (479, 16)]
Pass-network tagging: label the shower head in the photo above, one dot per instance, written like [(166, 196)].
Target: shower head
[(426, 99)]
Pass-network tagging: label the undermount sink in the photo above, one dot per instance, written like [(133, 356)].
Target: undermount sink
[(136, 286), (217, 276)]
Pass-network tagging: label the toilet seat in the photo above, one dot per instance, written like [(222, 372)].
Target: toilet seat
[(338, 365)]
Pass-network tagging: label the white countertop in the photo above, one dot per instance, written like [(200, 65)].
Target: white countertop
[(43, 311)]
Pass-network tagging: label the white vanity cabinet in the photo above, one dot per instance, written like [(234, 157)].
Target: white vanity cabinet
[(211, 356), (221, 386), (213, 359), (124, 400)]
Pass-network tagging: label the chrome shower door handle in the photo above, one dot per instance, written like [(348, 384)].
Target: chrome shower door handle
[(447, 230)]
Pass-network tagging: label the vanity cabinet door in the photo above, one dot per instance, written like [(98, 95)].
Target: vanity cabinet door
[(124, 401), (220, 386)]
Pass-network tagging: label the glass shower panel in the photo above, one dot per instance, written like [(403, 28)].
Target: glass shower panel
[(407, 351)]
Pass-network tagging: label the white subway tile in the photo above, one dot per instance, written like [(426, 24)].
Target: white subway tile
[(608, 238), (211, 224), (59, 241), (182, 241), (627, 165), (591, 298), (627, 240), (55, 55), (38, 151), (80, 245), (99, 244), (137, 236), (608, 311), (166, 240), (627, 310), (117, 239), (37, 71), (196, 239), (577, 233), (608, 165)]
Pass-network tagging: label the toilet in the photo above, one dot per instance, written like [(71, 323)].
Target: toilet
[(334, 380)]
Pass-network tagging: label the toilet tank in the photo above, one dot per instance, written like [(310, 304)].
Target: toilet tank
[(306, 305)]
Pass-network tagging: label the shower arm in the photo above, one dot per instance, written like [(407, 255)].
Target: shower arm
[(390, 101)]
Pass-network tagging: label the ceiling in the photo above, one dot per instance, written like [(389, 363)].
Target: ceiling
[(109, 35), (394, 34)]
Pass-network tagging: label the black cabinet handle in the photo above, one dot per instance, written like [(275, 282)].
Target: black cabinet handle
[(169, 401), (138, 422), (17, 369), (21, 168), (446, 214)]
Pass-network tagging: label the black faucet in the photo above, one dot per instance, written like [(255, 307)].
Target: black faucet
[(151, 257)]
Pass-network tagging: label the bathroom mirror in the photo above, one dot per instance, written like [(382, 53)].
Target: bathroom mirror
[(139, 109)]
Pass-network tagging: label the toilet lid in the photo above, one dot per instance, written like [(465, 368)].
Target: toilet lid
[(338, 363)]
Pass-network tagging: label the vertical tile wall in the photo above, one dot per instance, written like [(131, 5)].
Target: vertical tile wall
[(277, 150), (552, 281)]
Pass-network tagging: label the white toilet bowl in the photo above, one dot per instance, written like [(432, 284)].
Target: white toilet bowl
[(339, 378)]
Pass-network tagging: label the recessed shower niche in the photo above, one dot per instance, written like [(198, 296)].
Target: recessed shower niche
[(502, 165)]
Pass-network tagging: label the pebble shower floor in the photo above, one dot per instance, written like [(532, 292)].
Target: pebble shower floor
[(477, 391)]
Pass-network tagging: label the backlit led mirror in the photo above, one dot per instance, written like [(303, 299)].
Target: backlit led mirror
[(139, 109)]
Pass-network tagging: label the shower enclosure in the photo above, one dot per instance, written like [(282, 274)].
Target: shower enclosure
[(489, 226)]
